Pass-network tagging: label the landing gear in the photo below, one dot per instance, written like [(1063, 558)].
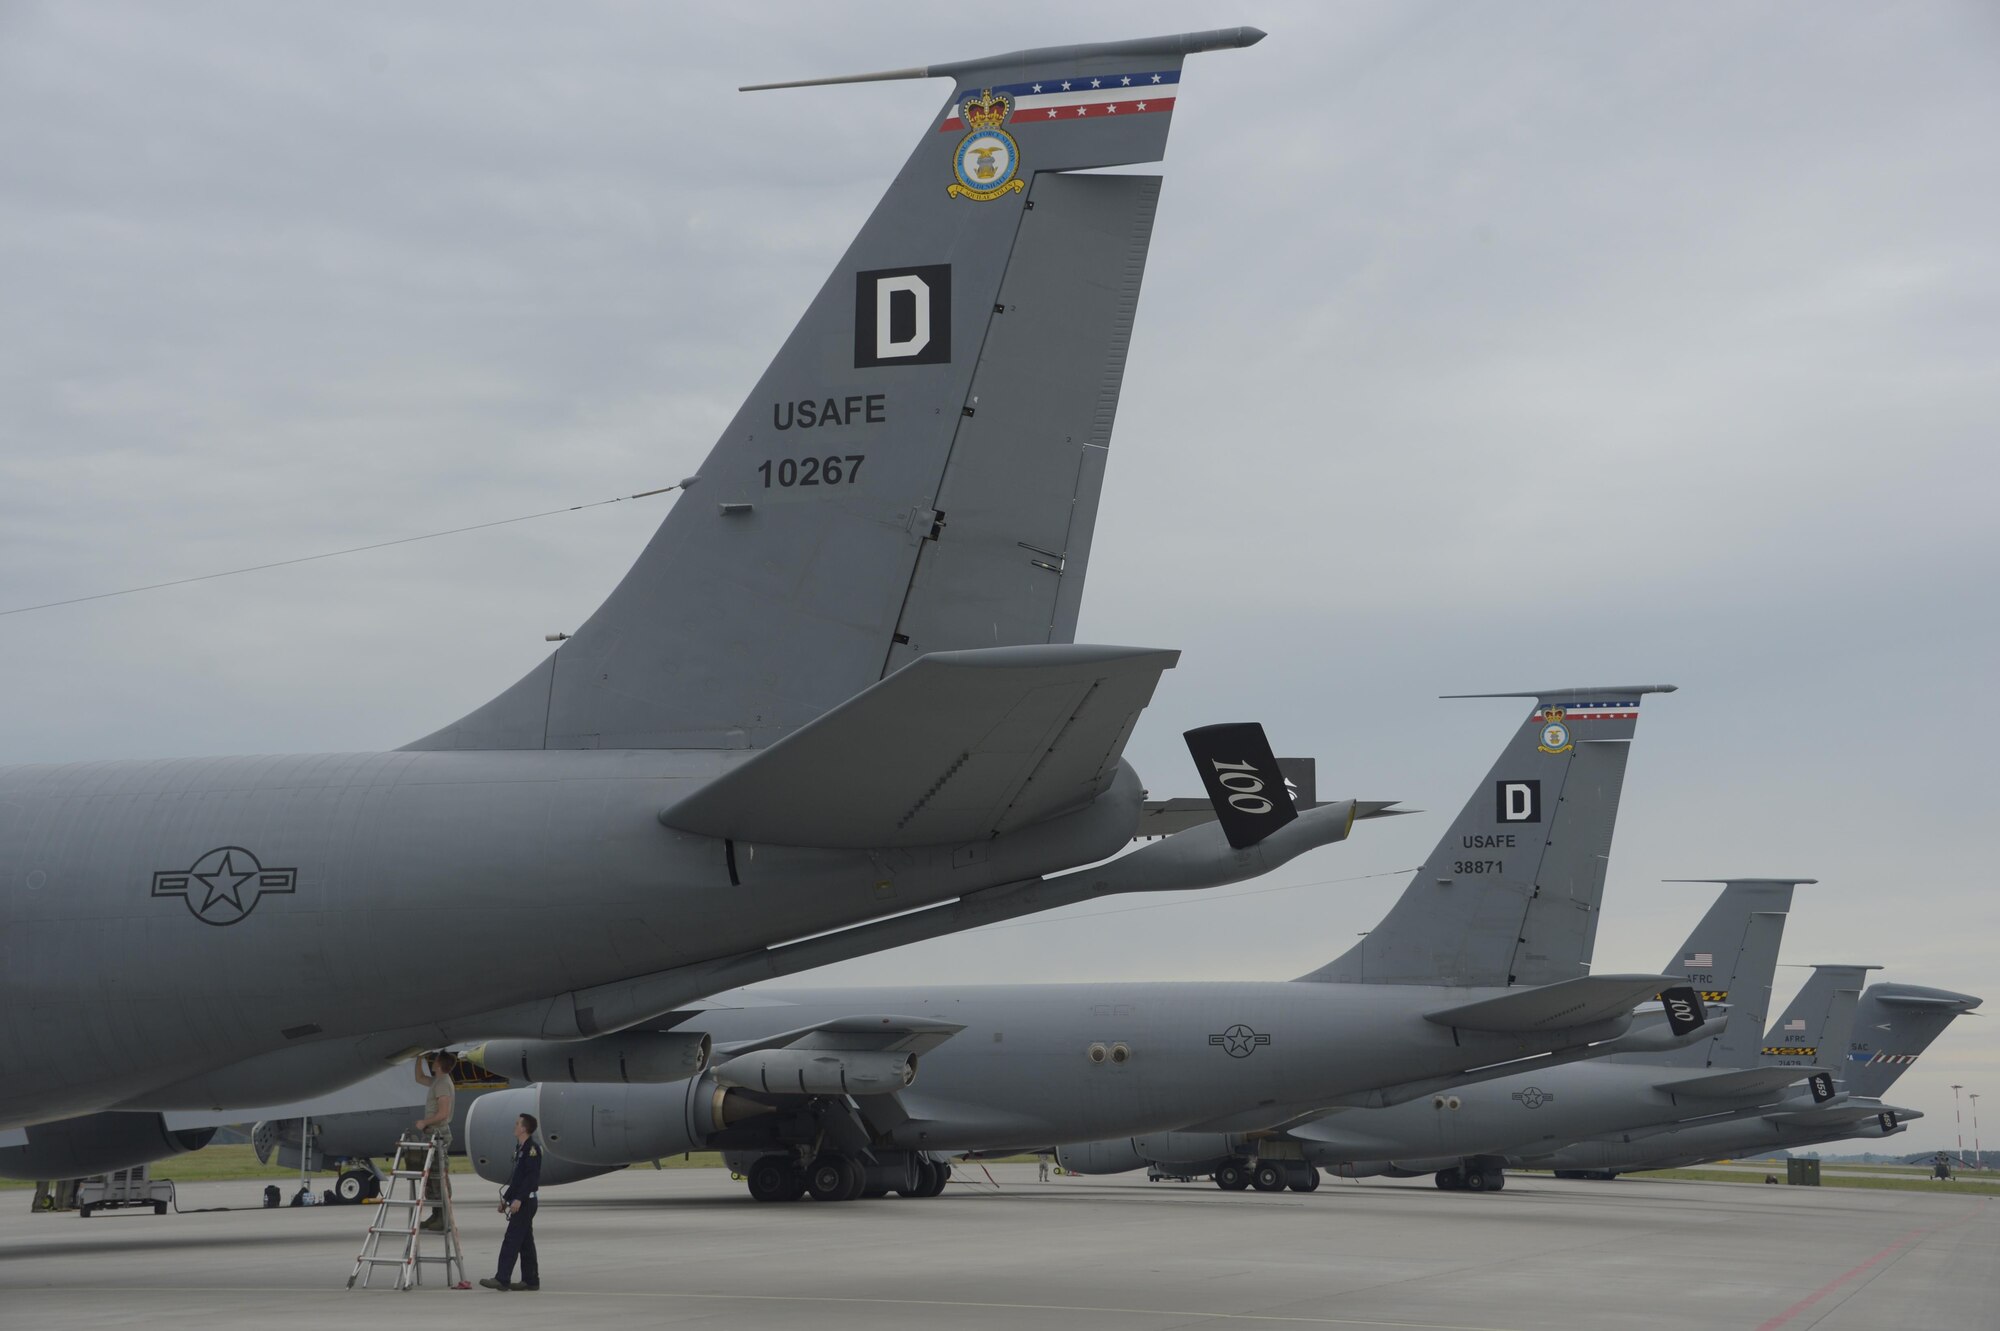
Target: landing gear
[(1232, 1176), (1473, 1178), (936, 1173), (1268, 1176), (776, 1179), (1304, 1178), (357, 1185), (835, 1178)]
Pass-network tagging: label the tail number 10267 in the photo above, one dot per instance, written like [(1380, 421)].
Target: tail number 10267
[(833, 469)]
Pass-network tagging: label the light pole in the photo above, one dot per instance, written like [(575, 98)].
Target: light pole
[(1958, 1120), (1978, 1155)]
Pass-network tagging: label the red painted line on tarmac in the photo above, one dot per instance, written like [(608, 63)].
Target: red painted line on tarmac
[(1839, 1280)]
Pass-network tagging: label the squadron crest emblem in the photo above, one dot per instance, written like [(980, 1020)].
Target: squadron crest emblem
[(988, 161), (1555, 731)]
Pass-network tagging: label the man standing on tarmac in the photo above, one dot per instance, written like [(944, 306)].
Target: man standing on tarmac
[(434, 1071), (518, 1203)]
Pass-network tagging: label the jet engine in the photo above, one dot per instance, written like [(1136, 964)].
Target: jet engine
[(97, 1144), (819, 1071), (1115, 1156), (630, 1056), (489, 1140)]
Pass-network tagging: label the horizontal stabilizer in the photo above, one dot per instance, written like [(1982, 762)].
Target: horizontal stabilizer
[(954, 747), (857, 1034), (1846, 1112), (1166, 817), (1583, 1001), (1735, 1084), (1935, 999)]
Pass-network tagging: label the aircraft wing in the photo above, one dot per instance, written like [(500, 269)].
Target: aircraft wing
[(391, 1088), (892, 1035), (1583, 1001), (954, 747), (1735, 1083)]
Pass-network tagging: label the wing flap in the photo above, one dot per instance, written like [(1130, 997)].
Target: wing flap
[(954, 747), (1583, 1001)]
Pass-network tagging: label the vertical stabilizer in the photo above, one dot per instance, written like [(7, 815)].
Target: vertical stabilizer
[(1732, 957), (918, 469), (1511, 894), (1892, 1025), (1819, 1019)]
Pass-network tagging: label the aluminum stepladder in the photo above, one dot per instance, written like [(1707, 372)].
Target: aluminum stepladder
[(400, 1217)]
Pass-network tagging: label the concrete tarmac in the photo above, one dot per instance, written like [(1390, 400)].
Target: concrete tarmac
[(689, 1248)]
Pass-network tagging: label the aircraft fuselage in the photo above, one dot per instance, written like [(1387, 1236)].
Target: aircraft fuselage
[(232, 931)]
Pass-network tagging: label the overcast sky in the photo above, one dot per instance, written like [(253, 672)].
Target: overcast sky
[(1527, 344)]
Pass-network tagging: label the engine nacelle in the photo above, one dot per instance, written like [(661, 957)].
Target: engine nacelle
[(489, 1140), (1116, 1156), (97, 1144), (628, 1057), (1201, 1149), (818, 1071)]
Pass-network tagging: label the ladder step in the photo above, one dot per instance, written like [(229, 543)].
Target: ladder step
[(383, 1261), (402, 1201)]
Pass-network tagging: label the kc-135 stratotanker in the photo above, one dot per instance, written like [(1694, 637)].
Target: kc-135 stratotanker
[(835, 705), (1479, 970)]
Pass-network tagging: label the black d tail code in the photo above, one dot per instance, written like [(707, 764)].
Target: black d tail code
[(902, 316)]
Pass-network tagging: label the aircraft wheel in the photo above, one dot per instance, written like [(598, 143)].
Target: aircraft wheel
[(1305, 1180), (770, 1179), (857, 1179), (159, 1208), (1231, 1176), (1496, 1179), (877, 1191), (83, 1212), (354, 1185), (940, 1176), (795, 1185), (827, 1179), (1268, 1177), (1476, 1179), (1450, 1180)]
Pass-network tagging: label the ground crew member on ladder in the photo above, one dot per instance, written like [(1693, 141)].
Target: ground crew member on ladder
[(434, 1070), (517, 1203)]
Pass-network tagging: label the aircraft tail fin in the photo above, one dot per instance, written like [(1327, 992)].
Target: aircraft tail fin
[(1892, 1025), (1818, 1020), (918, 469), (1511, 894), (1731, 957)]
